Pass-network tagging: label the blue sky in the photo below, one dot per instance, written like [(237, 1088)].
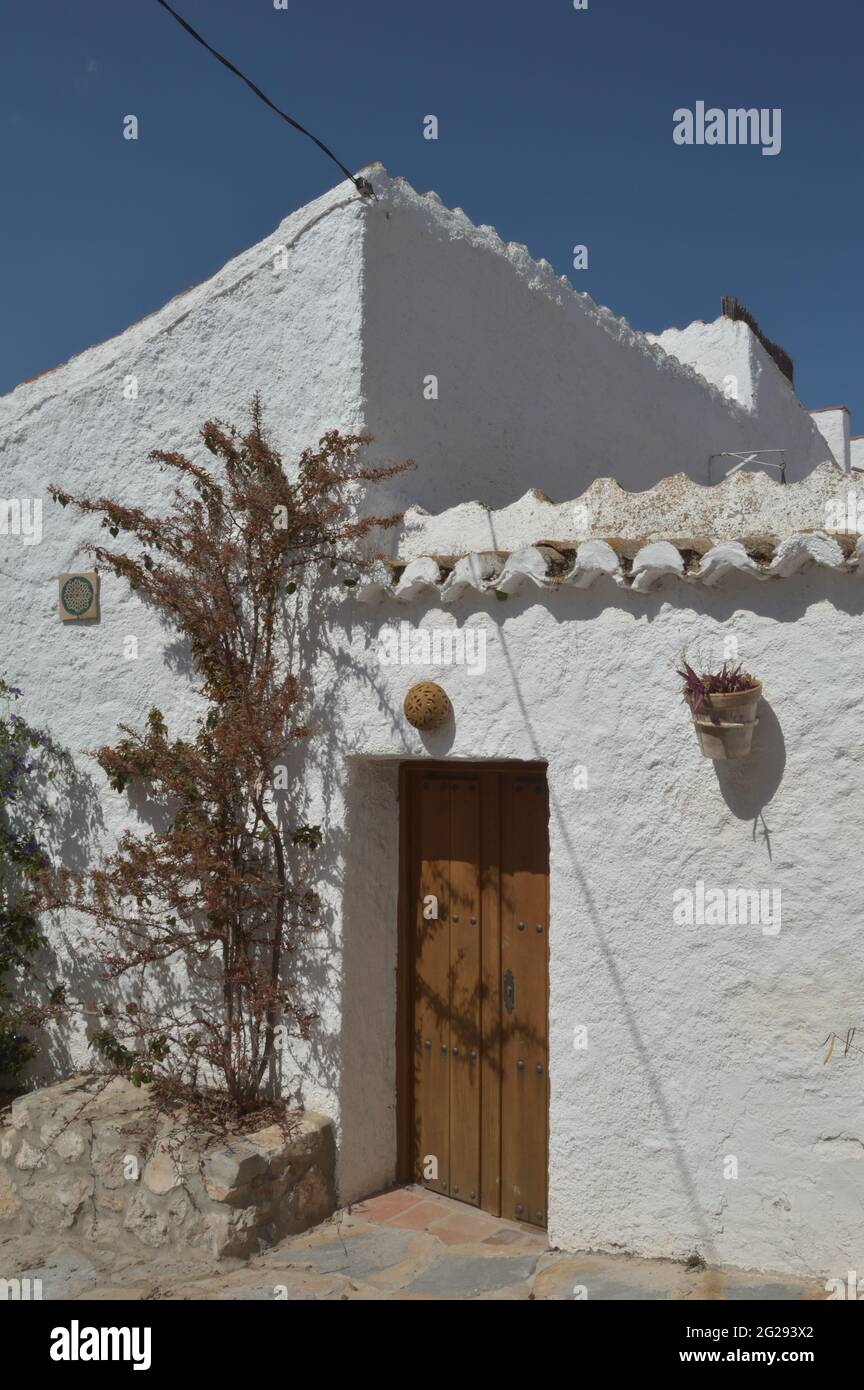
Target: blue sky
[(555, 126)]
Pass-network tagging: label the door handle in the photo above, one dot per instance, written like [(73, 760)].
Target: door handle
[(509, 992)]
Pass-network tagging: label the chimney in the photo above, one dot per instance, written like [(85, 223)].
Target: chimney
[(832, 422)]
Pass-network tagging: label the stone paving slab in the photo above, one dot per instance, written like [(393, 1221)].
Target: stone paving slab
[(458, 1276), (357, 1254), (66, 1274), (408, 1245)]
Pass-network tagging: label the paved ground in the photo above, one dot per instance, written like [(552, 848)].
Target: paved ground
[(404, 1245)]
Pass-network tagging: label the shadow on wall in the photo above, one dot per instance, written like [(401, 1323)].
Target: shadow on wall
[(70, 837), (749, 784), (367, 1084), (345, 970)]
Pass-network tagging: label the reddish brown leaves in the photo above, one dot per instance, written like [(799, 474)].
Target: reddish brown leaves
[(226, 888)]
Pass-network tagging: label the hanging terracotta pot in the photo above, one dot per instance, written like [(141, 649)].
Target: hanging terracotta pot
[(724, 723)]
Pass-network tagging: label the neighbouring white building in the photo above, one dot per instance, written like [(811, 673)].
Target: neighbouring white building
[(591, 1038)]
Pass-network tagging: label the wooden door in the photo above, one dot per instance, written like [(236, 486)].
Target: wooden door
[(475, 915), (524, 967)]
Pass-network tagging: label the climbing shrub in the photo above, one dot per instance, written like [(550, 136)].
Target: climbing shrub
[(226, 888)]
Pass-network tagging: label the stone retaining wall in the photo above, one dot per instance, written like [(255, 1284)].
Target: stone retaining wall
[(104, 1163)]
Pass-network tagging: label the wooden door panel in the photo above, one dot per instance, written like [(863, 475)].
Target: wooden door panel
[(465, 990), (431, 853), (524, 952), (490, 1000), (477, 841)]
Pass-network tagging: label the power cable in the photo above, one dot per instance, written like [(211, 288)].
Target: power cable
[(362, 185)]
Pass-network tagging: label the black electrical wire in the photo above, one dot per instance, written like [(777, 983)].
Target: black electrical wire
[(362, 185)]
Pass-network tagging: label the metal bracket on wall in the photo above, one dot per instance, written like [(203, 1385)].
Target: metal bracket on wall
[(754, 457)]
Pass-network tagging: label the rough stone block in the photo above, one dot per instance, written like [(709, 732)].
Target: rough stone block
[(94, 1158), (163, 1172), (29, 1158), (232, 1166), (10, 1205)]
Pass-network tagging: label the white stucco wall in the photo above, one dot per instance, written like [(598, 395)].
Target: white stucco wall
[(729, 355), (832, 423), (704, 1042), (538, 386), (721, 351), (292, 333)]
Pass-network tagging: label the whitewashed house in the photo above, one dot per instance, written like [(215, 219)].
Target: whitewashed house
[(568, 1046)]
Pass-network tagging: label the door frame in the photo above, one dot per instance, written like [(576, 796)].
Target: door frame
[(405, 960)]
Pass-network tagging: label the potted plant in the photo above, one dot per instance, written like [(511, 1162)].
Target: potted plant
[(723, 706)]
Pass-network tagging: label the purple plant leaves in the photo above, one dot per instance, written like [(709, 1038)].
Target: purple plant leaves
[(726, 681)]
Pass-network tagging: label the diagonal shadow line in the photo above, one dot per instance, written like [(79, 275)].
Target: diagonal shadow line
[(639, 1044)]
